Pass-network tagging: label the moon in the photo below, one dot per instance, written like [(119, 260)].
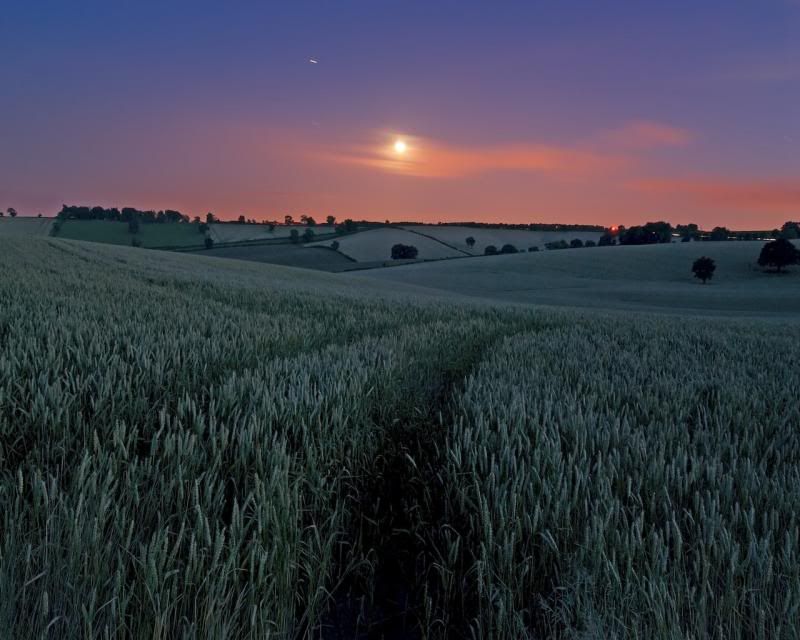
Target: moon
[(400, 146)]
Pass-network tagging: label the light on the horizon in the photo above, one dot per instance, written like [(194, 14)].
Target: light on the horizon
[(400, 146)]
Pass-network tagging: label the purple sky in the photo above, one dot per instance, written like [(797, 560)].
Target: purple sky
[(561, 111)]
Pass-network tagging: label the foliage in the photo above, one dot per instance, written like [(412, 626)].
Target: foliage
[(556, 244), (470, 242), (576, 243), (208, 242), (778, 254), (404, 252), (335, 245), (508, 248), (294, 236), (650, 233), (133, 225), (330, 220), (490, 250), (348, 226), (719, 234), (126, 214), (703, 268), (308, 235), (590, 243), (12, 212)]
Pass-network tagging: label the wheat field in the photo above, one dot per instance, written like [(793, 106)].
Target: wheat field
[(203, 448)]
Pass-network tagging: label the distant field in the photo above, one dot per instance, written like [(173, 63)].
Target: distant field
[(24, 226), (151, 235), (321, 258), (656, 278), (196, 447), (229, 232), (376, 245), (522, 240)]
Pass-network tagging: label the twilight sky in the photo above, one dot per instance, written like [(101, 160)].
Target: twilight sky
[(599, 111)]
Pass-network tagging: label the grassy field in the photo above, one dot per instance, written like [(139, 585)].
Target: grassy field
[(150, 235), (15, 227), (523, 240), (376, 245), (320, 257), (207, 448), (230, 232), (654, 278)]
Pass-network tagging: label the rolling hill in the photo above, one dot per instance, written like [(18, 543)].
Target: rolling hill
[(653, 277)]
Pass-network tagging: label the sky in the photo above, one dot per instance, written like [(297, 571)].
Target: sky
[(593, 112)]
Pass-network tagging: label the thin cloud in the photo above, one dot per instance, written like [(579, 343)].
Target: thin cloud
[(755, 195), (641, 135), (432, 159)]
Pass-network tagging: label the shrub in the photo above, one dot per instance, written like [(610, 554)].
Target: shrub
[(404, 252), (778, 254), (576, 243), (703, 268), (559, 244), (533, 248), (490, 250), (335, 245), (308, 235), (508, 248), (590, 243)]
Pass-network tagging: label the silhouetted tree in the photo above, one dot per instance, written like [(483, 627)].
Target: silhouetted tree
[(310, 221), (308, 235), (508, 248), (470, 242), (557, 244), (490, 250), (778, 253), (12, 212), (348, 226), (294, 236), (703, 268), (650, 233), (335, 245), (719, 234), (688, 232), (288, 219), (1, 213), (404, 252), (576, 243), (590, 243), (330, 220), (271, 228), (242, 220), (790, 230), (210, 218), (606, 240)]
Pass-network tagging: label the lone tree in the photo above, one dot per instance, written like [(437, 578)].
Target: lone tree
[(703, 268), (330, 220), (778, 254), (470, 242), (404, 252), (308, 235), (12, 212), (335, 245), (508, 248), (490, 250)]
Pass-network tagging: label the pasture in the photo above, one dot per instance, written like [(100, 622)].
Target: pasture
[(24, 226), (211, 448), (151, 236), (649, 278), (456, 236), (233, 232), (375, 245)]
